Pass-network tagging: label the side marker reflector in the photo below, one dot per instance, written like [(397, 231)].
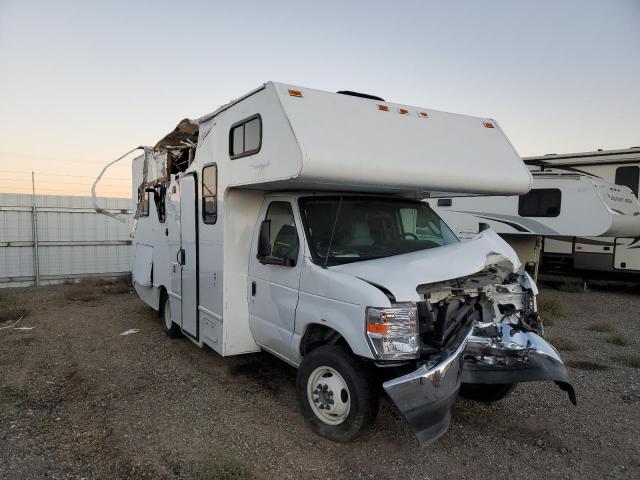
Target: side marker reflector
[(295, 93), (384, 108), (488, 125), (403, 111), (423, 114)]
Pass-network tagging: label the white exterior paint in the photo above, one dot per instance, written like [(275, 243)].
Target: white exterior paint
[(317, 142), (73, 240)]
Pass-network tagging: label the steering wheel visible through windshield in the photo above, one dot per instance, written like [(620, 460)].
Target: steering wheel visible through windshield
[(343, 229)]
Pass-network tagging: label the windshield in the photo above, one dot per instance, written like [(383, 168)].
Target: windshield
[(350, 229)]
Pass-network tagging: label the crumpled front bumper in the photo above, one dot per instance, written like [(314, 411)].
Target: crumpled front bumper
[(493, 353)]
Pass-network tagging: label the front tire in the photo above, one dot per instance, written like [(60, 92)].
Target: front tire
[(336, 393), (168, 325), (486, 393)]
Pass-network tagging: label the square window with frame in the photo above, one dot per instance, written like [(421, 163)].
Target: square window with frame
[(245, 137)]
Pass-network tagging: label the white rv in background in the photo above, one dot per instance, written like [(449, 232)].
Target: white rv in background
[(558, 208), (611, 256), (289, 221)]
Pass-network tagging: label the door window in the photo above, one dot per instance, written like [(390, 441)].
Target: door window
[(283, 236)]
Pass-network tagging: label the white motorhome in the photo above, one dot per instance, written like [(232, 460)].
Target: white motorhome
[(615, 255), (289, 221), (558, 208)]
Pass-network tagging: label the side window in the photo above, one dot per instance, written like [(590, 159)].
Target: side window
[(628, 177), (540, 202), (245, 137), (283, 236), (210, 194)]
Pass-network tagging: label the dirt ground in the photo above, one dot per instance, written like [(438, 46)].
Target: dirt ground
[(77, 400)]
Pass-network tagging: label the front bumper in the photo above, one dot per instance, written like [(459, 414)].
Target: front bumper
[(492, 353), (425, 397)]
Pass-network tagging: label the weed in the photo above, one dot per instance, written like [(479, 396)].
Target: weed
[(602, 327), (550, 309), (617, 339), (227, 470), (562, 343), (586, 365), (631, 360)]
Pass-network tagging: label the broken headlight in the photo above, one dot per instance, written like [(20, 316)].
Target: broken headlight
[(393, 332)]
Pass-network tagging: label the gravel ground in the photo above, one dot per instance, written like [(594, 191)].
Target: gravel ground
[(77, 400)]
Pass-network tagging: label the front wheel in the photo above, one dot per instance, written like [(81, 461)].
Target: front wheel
[(485, 392), (336, 393)]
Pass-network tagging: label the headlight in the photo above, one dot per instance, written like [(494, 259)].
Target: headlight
[(393, 332)]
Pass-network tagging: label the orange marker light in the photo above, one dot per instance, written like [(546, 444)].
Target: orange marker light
[(384, 108), (423, 114), (403, 111), (488, 125), (377, 328), (295, 93)]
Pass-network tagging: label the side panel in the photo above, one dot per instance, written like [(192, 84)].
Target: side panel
[(188, 216)]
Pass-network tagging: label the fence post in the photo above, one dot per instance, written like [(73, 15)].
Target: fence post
[(34, 224)]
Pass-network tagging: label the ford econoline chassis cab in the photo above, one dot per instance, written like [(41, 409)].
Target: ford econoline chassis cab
[(289, 221)]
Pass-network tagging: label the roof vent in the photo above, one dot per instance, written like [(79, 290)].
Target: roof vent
[(361, 95)]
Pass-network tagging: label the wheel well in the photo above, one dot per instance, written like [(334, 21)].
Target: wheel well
[(317, 335), (162, 293)]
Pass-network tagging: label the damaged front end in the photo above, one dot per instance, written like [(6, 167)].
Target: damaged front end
[(479, 329)]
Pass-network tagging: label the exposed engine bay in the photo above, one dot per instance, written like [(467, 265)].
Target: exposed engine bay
[(480, 329), (495, 295)]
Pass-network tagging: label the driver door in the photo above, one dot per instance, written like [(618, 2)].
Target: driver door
[(274, 288)]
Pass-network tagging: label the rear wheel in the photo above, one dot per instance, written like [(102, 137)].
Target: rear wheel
[(336, 393), (168, 325), (486, 393)]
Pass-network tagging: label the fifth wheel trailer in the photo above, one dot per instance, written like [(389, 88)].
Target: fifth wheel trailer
[(612, 256), (289, 221), (558, 208)]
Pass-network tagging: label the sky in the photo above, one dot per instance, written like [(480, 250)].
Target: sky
[(82, 82)]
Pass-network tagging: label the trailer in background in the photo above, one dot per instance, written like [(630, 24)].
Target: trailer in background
[(611, 256), (559, 207)]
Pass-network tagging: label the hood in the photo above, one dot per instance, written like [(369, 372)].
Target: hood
[(401, 274)]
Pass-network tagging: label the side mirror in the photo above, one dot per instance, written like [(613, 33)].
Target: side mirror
[(264, 239), (483, 226)]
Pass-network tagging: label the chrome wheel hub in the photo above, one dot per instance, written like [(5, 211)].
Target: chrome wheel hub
[(328, 395)]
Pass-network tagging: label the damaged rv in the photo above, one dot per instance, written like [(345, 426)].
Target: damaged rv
[(290, 221)]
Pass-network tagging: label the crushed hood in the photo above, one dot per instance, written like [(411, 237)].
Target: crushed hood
[(401, 274)]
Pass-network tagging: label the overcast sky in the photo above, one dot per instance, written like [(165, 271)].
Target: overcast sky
[(82, 82)]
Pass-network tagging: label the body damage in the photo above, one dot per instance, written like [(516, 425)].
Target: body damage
[(480, 328)]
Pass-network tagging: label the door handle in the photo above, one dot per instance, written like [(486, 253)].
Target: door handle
[(180, 257), (253, 289)]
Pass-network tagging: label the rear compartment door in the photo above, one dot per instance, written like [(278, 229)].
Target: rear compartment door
[(188, 256), (627, 254)]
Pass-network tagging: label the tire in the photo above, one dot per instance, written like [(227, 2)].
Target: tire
[(169, 326), (333, 368), (486, 393)]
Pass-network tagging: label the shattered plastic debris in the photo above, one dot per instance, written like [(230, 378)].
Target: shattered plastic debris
[(130, 331)]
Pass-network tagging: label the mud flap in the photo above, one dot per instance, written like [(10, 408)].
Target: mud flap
[(501, 354), (425, 396)]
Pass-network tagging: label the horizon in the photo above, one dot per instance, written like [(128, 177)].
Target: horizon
[(84, 83)]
